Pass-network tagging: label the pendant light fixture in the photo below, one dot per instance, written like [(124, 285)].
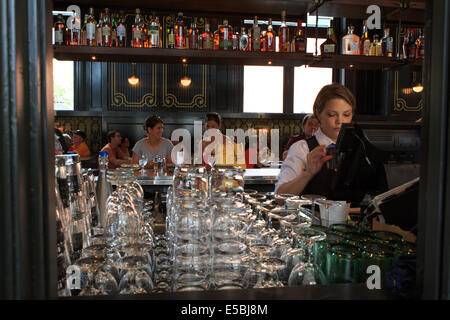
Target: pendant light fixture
[(185, 81), (133, 80)]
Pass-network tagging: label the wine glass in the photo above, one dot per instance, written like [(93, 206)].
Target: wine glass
[(142, 162)]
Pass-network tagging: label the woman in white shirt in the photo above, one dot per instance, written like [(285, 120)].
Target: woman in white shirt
[(303, 171)]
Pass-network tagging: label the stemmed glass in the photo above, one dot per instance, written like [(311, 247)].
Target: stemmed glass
[(142, 162), (307, 273)]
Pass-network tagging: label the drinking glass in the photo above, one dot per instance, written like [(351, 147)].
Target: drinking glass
[(143, 162), (229, 263), (307, 273), (269, 276), (344, 264)]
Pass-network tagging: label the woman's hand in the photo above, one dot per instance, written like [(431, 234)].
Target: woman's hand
[(315, 160)]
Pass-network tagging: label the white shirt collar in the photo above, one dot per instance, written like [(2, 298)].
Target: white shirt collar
[(322, 138)]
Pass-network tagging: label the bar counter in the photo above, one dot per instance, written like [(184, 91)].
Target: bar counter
[(263, 176)]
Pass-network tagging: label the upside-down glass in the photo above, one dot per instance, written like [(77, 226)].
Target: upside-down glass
[(307, 273), (344, 264)]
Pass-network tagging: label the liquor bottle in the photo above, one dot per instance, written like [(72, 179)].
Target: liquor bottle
[(138, 30), (60, 28), (216, 40), (249, 39), (74, 34), (300, 40), (364, 43), (98, 30), (225, 36), (270, 37), (350, 42), (420, 46), (283, 34), (91, 27), (256, 35), (171, 33), (235, 41), (154, 32), (378, 47), (243, 40), (373, 46), (83, 31), (330, 45), (404, 54), (103, 187), (207, 39), (387, 44), (114, 23), (193, 35), (121, 31), (180, 33), (411, 45), (262, 41), (106, 29)]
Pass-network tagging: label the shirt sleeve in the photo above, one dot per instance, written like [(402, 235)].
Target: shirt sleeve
[(294, 164)]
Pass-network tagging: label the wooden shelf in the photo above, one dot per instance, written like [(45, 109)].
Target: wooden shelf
[(175, 56)]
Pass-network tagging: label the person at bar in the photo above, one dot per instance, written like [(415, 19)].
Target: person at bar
[(154, 144), (79, 144), (309, 126), (213, 125), (124, 148), (303, 171), (114, 160)]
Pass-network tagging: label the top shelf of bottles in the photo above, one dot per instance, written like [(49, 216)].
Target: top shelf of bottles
[(175, 56)]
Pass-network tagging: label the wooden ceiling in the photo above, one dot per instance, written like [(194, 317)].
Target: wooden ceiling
[(351, 9)]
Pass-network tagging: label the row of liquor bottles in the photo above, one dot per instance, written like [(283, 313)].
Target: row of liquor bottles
[(112, 30)]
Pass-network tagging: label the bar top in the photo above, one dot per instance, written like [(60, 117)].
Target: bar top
[(251, 177)]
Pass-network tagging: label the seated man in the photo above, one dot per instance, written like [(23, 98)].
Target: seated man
[(114, 160), (79, 144), (310, 124)]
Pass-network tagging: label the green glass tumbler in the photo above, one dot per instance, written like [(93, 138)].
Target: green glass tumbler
[(321, 248), (344, 264), (374, 254)]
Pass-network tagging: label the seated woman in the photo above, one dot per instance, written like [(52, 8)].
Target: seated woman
[(154, 144), (303, 171)]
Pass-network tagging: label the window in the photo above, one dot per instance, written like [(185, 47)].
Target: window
[(263, 89), (63, 92), (307, 83)]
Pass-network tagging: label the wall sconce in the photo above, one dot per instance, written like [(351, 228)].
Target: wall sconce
[(185, 81), (133, 80), (417, 87)]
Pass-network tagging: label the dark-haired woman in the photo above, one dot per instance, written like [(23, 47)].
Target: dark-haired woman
[(154, 144)]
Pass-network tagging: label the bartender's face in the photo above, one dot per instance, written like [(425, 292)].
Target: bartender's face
[(335, 113)]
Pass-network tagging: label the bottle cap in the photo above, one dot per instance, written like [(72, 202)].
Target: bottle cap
[(103, 153)]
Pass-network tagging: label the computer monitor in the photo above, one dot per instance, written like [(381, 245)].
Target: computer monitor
[(364, 148)]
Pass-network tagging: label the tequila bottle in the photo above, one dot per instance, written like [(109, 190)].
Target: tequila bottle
[(121, 31), (154, 32), (330, 45), (225, 36), (364, 43), (270, 37), (243, 40), (387, 44), (60, 28)]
